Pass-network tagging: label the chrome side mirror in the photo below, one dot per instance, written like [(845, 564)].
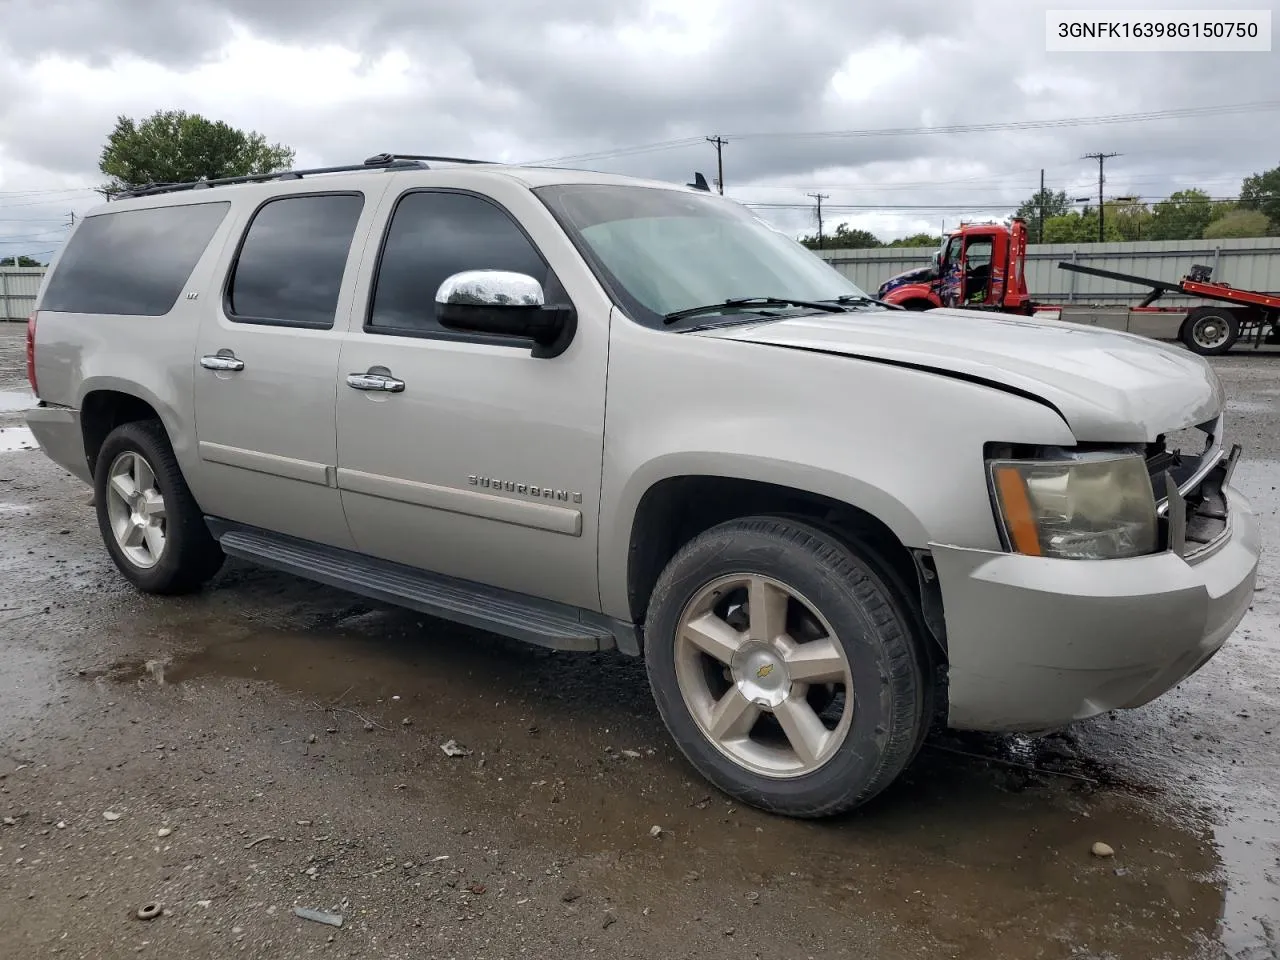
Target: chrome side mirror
[(490, 288), (504, 304)]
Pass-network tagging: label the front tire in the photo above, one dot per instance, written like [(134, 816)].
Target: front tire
[(149, 521), (784, 668)]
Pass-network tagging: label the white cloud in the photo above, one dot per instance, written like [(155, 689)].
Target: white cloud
[(517, 80)]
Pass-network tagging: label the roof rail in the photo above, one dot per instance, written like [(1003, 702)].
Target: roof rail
[(391, 157), (383, 161)]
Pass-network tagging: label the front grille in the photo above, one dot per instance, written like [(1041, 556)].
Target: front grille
[(1189, 471)]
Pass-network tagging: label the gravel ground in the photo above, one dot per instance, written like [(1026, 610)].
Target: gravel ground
[(270, 743)]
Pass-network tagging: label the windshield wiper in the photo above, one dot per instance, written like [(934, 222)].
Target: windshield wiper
[(860, 298), (827, 307)]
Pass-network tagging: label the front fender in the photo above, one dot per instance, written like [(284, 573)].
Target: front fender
[(620, 518), (912, 291)]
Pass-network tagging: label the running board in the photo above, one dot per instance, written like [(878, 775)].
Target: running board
[(540, 622)]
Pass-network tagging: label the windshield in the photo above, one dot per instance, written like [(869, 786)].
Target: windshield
[(660, 251)]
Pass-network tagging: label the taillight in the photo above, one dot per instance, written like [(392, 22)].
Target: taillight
[(31, 353)]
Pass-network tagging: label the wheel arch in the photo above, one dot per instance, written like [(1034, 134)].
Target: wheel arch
[(910, 293), (106, 403), (675, 508)]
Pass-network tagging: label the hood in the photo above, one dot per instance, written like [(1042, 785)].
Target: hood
[(1108, 386), (918, 275)]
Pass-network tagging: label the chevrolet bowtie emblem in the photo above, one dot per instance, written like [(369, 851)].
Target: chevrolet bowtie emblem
[(764, 671)]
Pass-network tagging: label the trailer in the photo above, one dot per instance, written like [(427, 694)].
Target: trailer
[(982, 266), (1210, 330)]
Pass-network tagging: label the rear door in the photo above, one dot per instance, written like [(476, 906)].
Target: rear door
[(266, 364)]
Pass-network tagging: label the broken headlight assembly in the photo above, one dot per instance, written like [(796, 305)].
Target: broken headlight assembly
[(1076, 506)]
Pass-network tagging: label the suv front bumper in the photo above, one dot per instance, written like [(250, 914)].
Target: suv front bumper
[(1034, 644)]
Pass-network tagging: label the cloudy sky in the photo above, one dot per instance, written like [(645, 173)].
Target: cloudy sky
[(804, 91)]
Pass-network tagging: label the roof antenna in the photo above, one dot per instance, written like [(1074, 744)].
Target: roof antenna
[(699, 182)]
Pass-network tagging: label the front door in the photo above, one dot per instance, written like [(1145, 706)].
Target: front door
[(266, 364), (480, 461), (950, 273)]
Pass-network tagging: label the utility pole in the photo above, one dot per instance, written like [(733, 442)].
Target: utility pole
[(1040, 231), (1101, 158), (819, 197), (719, 142)]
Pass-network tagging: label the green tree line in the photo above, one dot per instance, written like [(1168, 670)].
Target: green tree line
[(1185, 215)]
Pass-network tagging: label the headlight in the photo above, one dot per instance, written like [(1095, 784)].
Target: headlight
[(1094, 507)]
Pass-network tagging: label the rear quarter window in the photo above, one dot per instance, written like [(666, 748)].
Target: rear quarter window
[(132, 262)]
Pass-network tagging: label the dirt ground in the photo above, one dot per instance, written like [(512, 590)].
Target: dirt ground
[(270, 743)]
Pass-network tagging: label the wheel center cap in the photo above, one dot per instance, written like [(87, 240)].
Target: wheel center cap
[(761, 674)]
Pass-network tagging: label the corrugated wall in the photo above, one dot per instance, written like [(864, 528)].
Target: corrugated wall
[(1249, 264), (18, 288)]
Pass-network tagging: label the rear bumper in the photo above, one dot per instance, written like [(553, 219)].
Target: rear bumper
[(57, 430), (1036, 643)]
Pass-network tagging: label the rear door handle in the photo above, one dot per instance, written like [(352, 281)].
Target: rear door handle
[(221, 361), (374, 381)]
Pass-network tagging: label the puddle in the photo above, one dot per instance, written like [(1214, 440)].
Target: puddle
[(17, 438), (11, 400), (980, 850)]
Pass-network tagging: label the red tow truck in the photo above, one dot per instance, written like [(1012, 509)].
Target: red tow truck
[(983, 267), (980, 266)]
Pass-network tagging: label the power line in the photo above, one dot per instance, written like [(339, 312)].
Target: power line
[(995, 204), (1141, 117), (1008, 125)]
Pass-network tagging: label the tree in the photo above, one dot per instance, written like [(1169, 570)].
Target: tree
[(917, 240), (22, 260), (1238, 223), (1261, 192), (843, 239), (174, 146), (1055, 205), (1132, 219), (1079, 228), (1184, 216)]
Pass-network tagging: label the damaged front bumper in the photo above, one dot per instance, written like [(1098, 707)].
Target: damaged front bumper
[(1034, 643)]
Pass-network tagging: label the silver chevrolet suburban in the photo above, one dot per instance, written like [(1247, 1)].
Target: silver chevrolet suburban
[(597, 413)]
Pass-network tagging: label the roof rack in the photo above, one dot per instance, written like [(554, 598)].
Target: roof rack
[(382, 161), (382, 158)]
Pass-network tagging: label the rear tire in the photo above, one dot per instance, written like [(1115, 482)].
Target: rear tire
[(784, 668), (1210, 331), (149, 521)]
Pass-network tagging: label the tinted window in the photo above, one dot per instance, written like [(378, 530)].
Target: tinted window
[(434, 235), (290, 266), (132, 262)]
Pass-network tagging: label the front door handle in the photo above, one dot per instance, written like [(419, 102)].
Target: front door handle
[(374, 381), (221, 361)]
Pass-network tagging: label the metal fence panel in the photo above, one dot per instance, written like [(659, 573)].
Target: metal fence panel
[(18, 289), (1251, 264)]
